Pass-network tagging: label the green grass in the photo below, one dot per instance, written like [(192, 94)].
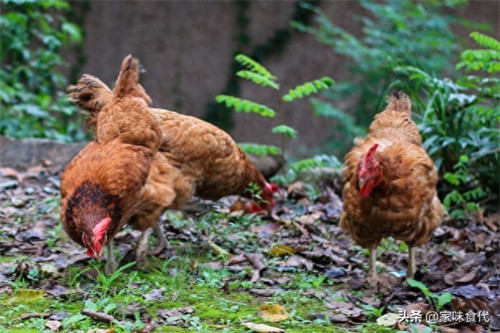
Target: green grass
[(220, 299), (214, 309)]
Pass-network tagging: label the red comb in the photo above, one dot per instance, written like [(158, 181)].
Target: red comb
[(371, 152)]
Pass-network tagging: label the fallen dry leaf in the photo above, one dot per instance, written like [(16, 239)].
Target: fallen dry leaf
[(53, 325), (101, 330), (154, 294), (257, 260), (218, 250), (261, 328), (263, 292), (273, 312), (388, 320), (298, 261), (99, 316), (280, 249), (459, 276), (309, 219), (266, 230), (236, 260), (275, 217)]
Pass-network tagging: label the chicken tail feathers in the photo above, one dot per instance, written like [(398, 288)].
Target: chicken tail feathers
[(128, 81), (399, 101), (90, 94)]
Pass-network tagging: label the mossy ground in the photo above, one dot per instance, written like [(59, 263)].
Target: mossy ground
[(217, 306), (39, 272)]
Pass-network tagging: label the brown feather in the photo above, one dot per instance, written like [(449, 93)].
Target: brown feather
[(405, 204)]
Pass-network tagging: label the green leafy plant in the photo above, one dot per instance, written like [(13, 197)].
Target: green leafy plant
[(318, 161), (459, 121), (371, 311), (487, 59), (385, 43), (104, 281), (438, 301), (468, 200), (258, 74), (32, 100)]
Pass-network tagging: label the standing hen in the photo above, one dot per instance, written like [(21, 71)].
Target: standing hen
[(390, 185), (206, 160), (105, 184)]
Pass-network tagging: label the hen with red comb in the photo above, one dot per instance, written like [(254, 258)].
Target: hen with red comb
[(102, 186), (195, 158), (390, 185)]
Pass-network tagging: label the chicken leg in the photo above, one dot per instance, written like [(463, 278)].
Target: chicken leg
[(141, 251), (372, 269), (162, 241), (110, 265), (412, 265)]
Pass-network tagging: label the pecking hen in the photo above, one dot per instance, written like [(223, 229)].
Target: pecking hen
[(194, 158)]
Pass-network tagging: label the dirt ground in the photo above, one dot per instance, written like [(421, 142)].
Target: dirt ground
[(225, 271)]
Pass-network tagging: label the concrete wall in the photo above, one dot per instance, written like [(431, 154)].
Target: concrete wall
[(186, 48)]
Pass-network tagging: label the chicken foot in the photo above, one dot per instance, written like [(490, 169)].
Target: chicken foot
[(110, 265), (412, 265)]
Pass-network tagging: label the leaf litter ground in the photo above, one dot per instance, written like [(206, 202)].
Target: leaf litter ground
[(292, 269)]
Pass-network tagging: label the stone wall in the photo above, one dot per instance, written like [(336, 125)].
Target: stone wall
[(186, 48)]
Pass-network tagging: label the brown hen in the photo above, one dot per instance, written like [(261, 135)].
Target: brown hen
[(390, 185), (207, 161), (105, 184)]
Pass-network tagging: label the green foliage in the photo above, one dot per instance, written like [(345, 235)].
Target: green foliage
[(371, 311), (487, 60), (32, 101), (459, 120), (467, 200), (344, 126), (261, 76), (240, 104), (308, 88), (274, 45), (386, 42), (318, 161), (287, 130), (256, 149), (254, 66), (104, 281), (438, 301), (258, 79)]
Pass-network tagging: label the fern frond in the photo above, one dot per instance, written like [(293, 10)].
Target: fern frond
[(258, 79), (485, 41), (481, 55), (308, 88), (486, 60), (254, 66), (284, 129), (256, 149), (245, 105), (318, 161)]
